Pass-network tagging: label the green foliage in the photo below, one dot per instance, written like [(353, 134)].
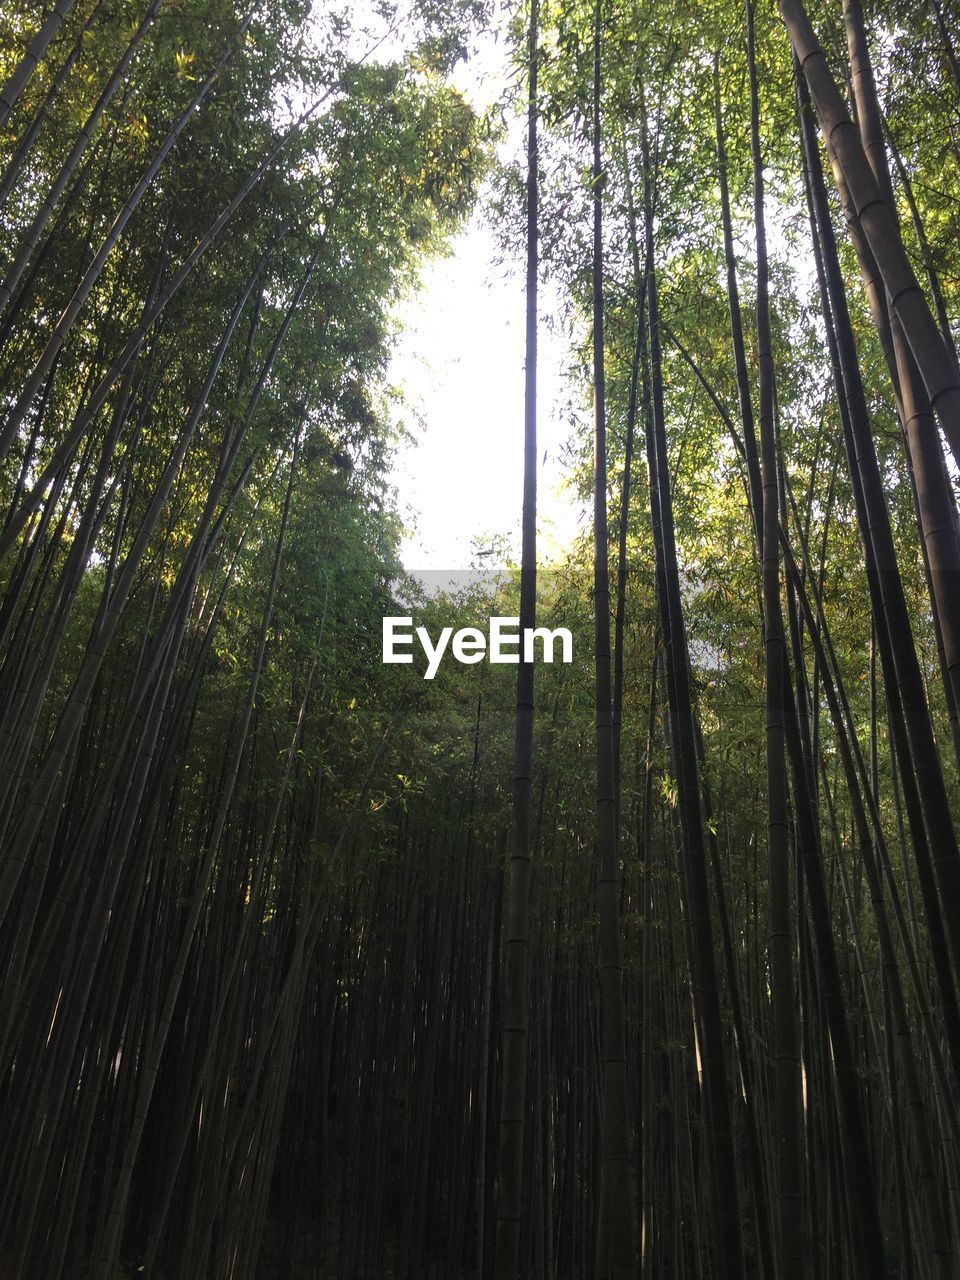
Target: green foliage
[(198, 739)]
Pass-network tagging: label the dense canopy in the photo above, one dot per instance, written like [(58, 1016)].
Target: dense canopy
[(646, 965)]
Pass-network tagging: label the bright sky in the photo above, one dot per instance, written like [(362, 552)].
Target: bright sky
[(460, 362), (460, 365)]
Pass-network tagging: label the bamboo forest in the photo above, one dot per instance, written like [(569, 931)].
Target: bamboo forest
[(591, 912)]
